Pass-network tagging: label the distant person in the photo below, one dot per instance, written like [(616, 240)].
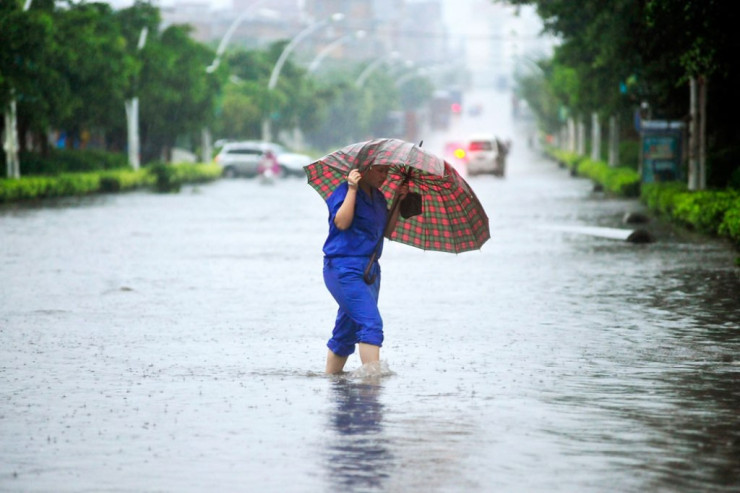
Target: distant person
[(269, 168), (503, 151)]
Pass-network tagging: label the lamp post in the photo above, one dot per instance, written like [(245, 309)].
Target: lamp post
[(373, 66), (12, 163), (411, 75), (266, 134), (205, 133), (229, 33), (331, 46), (428, 71), (132, 115)]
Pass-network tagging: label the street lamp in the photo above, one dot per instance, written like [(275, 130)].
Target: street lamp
[(331, 46), (132, 114), (422, 72), (266, 136), (12, 163), (205, 133), (373, 66), (428, 71), (229, 33)]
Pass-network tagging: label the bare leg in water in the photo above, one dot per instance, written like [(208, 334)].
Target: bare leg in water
[(369, 353)]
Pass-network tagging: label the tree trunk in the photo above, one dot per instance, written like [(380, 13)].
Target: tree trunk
[(697, 129), (703, 133), (10, 145), (581, 138), (595, 137), (613, 141), (571, 135)]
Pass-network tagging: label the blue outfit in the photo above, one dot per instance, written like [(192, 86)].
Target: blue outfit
[(346, 254)]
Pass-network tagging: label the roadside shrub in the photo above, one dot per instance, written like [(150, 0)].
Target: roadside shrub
[(169, 178), (620, 180), (567, 158), (126, 179), (24, 188), (713, 212), (39, 187), (166, 178), (163, 177), (730, 226), (197, 173), (704, 210), (34, 187), (75, 184), (660, 197)]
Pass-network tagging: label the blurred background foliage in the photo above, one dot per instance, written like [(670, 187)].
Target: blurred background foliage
[(616, 55), (71, 66)]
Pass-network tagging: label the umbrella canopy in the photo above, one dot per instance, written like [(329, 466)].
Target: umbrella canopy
[(452, 218)]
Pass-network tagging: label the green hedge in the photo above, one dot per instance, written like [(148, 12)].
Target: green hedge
[(712, 212), (169, 178), (620, 180), (71, 184), (565, 158), (716, 212)]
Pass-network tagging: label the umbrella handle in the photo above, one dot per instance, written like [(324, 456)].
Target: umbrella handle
[(366, 276), (369, 279)]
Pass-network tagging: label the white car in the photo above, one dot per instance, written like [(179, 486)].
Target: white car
[(482, 151), (243, 158)]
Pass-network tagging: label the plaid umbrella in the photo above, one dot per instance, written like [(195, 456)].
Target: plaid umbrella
[(451, 219)]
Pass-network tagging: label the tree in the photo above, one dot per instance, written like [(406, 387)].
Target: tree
[(649, 49), (534, 87), (89, 52), (177, 96), (24, 75)]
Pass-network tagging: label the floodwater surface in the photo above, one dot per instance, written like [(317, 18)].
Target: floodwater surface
[(176, 343)]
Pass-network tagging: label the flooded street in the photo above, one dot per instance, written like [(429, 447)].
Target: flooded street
[(177, 342)]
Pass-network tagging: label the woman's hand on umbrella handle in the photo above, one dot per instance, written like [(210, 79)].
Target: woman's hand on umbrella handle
[(353, 178), (403, 191)]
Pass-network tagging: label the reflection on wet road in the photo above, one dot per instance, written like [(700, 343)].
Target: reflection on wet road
[(175, 343), (358, 454)]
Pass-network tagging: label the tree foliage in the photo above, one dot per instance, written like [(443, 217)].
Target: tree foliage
[(616, 54), (71, 66), (177, 96)]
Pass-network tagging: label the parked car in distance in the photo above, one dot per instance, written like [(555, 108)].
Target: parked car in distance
[(482, 153), (243, 158)]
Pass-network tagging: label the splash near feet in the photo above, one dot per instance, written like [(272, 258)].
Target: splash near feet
[(376, 369)]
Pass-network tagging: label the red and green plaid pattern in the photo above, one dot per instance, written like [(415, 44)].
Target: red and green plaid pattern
[(328, 172), (452, 218)]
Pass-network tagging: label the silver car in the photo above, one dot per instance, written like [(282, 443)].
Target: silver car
[(243, 158)]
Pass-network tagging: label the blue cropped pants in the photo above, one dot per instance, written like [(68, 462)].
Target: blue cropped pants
[(358, 318)]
